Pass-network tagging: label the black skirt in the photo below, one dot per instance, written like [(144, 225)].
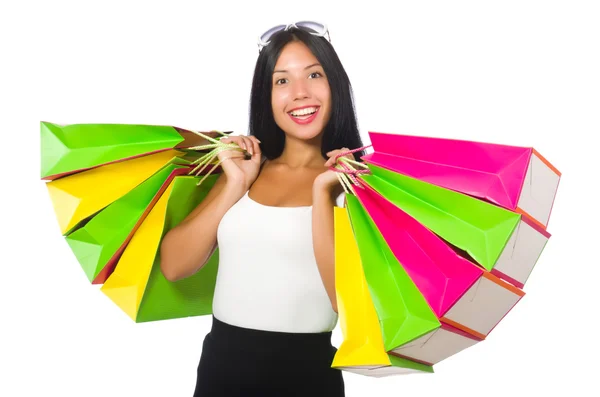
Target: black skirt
[(243, 362)]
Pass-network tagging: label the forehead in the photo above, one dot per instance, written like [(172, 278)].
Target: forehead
[(295, 55)]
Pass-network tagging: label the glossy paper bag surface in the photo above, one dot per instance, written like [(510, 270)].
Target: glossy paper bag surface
[(362, 350), (479, 228), (137, 284), (80, 146), (403, 313), (513, 177), (97, 244), (79, 196)]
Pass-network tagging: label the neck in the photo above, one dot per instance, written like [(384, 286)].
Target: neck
[(299, 153)]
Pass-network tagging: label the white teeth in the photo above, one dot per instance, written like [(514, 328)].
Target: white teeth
[(303, 112)]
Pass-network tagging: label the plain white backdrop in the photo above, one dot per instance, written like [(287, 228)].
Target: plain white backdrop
[(512, 72)]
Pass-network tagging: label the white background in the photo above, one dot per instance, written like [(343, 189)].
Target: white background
[(513, 72)]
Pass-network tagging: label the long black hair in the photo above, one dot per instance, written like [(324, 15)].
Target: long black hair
[(342, 128)]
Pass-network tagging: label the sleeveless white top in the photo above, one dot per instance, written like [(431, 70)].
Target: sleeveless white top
[(268, 277)]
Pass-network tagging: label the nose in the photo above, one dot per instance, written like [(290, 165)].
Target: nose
[(300, 90)]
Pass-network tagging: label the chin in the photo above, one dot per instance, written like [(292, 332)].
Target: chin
[(305, 134)]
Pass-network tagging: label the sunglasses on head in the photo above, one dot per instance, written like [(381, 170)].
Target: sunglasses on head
[(314, 28)]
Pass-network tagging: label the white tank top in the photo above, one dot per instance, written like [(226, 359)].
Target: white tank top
[(268, 277)]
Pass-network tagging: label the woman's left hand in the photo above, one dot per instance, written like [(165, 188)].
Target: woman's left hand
[(328, 179)]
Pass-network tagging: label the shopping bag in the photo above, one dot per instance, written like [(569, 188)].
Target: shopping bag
[(137, 284), (403, 313), (461, 294), (79, 196), (362, 350), (503, 242), (68, 149), (442, 240), (112, 179), (517, 178), (99, 243)]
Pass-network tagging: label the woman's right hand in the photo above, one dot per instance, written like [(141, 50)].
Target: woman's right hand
[(241, 173)]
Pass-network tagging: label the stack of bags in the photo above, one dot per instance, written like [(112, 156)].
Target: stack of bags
[(117, 189), (434, 247)]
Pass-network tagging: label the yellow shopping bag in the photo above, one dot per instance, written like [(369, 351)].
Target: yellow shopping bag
[(126, 285), (362, 350), (138, 285), (78, 196)]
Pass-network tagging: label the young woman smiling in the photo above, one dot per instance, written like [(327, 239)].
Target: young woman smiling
[(271, 215)]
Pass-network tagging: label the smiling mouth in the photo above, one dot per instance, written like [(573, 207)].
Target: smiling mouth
[(305, 113), (304, 116)]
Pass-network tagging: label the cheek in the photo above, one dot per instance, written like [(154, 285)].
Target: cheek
[(324, 93), (278, 105), (278, 102)]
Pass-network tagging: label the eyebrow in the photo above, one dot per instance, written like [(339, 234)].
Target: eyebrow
[(308, 67)]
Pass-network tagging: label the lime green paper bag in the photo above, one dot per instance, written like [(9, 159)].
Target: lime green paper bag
[(403, 312), (67, 149), (98, 245), (479, 228), (137, 284)]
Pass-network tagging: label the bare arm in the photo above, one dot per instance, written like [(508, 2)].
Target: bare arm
[(325, 188), (323, 238), (188, 246)]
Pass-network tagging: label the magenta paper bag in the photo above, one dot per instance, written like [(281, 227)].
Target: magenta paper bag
[(441, 275), (464, 296), (516, 178)]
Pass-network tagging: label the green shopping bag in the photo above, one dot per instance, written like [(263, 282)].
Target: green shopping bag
[(98, 245), (474, 226), (77, 147), (137, 284), (403, 312)]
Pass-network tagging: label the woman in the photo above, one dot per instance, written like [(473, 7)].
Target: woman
[(271, 215)]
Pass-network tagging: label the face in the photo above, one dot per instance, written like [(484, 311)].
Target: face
[(301, 98)]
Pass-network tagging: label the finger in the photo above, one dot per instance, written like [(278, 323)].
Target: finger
[(335, 156), (248, 145), (256, 146), (330, 160), (339, 150), (238, 140), (344, 150), (231, 156), (255, 143), (228, 161), (233, 139), (332, 157), (257, 156)]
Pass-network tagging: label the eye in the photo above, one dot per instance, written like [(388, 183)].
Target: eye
[(315, 75), (281, 81)]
